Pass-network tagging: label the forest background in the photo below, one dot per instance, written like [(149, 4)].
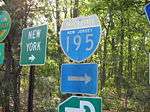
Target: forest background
[(122, 55)]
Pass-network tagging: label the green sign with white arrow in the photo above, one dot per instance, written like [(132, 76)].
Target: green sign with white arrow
[(2, 53), (33, 45), (81, 104)]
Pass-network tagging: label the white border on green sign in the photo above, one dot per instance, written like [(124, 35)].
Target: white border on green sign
[(80, 97), (45, 45)]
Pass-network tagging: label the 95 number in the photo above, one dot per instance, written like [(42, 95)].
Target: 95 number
[(77, 42)]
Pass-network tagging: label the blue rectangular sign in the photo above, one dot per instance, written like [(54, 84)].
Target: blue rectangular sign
[(79, 78), (147, 11)]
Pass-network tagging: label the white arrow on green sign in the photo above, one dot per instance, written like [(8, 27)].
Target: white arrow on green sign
[(33, 45), (81, 104), (2, 53)]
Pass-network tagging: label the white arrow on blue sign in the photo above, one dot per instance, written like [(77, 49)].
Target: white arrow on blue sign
[(79, 37), (79, 78), (147, 11)]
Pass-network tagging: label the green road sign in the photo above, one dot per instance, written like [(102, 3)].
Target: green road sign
[(5, 24), (81, 104), (2, 53), (33, 45)]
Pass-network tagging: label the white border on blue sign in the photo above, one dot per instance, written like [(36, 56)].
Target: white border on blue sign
[(79, 92), (146, 12), (82, 17)]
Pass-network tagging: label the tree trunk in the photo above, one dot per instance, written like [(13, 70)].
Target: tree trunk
[(75, 9), (57, 18), (103, 76), (120, 70), (7, 79), (31, 88), (16, 86), (129, 57)]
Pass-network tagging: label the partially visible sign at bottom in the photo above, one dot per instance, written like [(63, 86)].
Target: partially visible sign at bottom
[(81, 104)]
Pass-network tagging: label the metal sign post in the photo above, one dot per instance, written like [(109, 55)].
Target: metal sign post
[(79, 39), (33, 52)]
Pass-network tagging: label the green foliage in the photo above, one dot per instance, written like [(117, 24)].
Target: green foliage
[(126, 29), (122, 56)]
